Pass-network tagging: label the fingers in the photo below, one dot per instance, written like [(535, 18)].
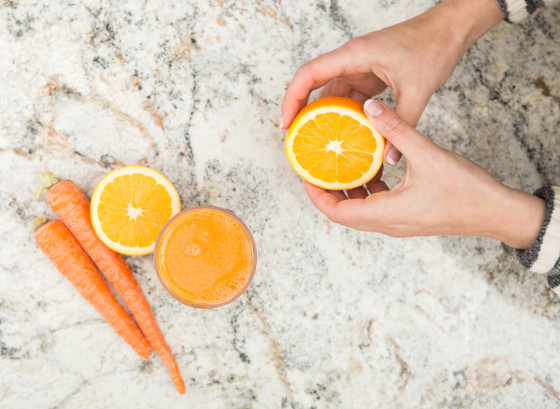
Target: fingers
[(348, 212), (343, 89), (391, 155), (358, 96), (378, 175), (335, 88), (310, 76), (357, 193), (405, 138), (338, 194), (376, 187)]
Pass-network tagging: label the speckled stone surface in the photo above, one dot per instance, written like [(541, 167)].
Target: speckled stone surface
[(334, 318)]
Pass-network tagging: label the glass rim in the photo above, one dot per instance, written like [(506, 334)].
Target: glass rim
[(253, 264)]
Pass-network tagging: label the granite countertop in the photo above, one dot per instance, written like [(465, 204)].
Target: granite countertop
[(334, 318)]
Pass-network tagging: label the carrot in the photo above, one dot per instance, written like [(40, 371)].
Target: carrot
[(60, 246), (72, 206)]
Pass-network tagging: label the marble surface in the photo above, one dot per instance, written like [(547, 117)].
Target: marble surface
[(334, 318)]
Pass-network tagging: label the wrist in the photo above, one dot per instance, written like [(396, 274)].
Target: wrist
[(515, 217), (465, 21)]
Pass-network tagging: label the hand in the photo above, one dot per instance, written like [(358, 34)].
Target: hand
[(413, 58), (441, 193)]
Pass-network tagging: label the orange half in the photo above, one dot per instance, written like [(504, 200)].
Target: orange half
[(130, 206), (332, 144)]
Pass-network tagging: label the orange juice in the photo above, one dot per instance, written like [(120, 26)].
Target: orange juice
[(205, 256)]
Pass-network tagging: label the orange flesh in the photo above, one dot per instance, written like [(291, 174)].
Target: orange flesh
[(134, 192), (356, 143), (205, 257)]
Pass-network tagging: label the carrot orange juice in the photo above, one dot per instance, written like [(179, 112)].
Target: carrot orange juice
[(205, 256)]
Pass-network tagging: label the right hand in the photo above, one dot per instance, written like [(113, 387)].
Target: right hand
[(441, 193), (413, 58)]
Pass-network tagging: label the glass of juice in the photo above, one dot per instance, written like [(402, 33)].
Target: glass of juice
[(205, 256)]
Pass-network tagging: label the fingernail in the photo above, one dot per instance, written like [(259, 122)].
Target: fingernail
[(373, 107), (393, 156), (281, 123)]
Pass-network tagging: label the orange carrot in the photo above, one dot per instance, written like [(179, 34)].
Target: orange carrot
[(61, 247), (72, 206)]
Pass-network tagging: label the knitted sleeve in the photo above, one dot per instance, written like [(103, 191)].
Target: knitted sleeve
[(544, 255), (517, 10)]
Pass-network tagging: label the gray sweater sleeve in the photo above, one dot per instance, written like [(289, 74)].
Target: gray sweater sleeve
[(517, 10), (544, 255)]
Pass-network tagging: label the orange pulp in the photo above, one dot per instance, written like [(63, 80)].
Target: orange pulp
[(205, 257)]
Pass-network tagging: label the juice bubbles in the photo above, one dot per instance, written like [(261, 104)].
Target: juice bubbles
[(205, 256)]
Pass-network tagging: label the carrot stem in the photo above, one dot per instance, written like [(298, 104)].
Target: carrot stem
[(48, 179), (72, 206), (61, 247), (38, 222)]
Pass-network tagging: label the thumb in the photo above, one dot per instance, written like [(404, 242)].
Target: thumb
[(395, 129)]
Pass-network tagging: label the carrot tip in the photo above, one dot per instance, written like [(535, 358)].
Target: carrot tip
[(145, 351)]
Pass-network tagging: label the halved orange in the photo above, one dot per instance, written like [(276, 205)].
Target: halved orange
[(332, 144), (130, 206)]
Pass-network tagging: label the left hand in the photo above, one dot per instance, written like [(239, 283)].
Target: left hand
[(414, 58)]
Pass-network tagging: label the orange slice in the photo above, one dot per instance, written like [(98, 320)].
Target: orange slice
[(130, 206), (332, 144)]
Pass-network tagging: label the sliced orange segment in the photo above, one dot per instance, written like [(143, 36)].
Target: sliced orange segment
[(332, 144), (130, 206)]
